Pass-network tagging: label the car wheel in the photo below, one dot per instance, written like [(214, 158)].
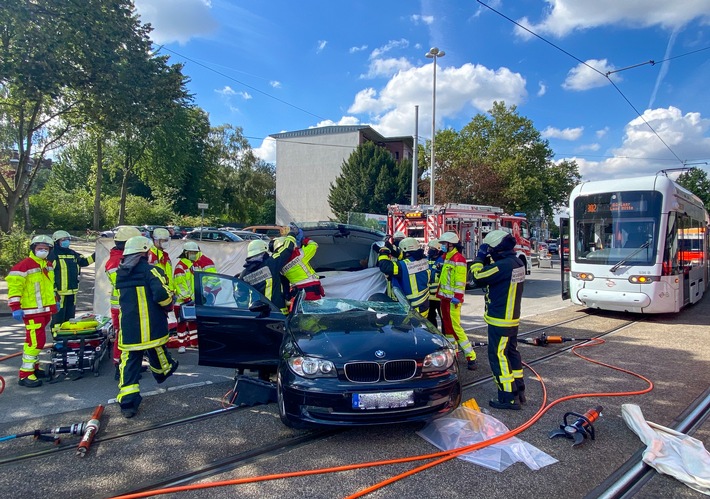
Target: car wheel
[(291, 423)]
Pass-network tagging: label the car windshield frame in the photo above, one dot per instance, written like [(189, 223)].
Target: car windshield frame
[(330, 306)]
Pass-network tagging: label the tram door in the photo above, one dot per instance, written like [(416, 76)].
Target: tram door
[(564, 251)]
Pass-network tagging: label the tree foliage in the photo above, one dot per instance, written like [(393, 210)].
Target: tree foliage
[(500, 159), (697, 182), (370, 179)]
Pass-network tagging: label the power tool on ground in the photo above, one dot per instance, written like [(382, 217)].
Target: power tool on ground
[(581, 428), (544, 340)]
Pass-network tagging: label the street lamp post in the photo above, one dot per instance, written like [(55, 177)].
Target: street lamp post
[(433, 53)]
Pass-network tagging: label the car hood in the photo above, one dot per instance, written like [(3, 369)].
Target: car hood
[(342, 246), (357, 335)]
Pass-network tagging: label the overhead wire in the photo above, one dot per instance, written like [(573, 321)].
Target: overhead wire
[(590, 67)]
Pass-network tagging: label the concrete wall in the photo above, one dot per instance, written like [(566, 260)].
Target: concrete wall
[(305, 168)]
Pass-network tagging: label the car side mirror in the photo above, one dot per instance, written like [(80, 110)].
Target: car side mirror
[(261, 308)]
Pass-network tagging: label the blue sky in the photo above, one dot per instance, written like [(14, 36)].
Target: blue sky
[(275, 65)]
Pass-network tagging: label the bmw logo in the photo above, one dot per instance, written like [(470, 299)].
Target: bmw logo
[(380, 354)]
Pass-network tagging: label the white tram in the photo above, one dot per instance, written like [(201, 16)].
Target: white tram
[(637, 245)]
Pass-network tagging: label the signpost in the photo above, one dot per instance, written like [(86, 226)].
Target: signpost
[(203, 207)]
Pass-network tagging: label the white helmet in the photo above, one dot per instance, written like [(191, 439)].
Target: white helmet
[(409, 244), (125, 232), (449, 237), (399, 235), (278, 242), (42, 240), (495, 237), (161, 233), (257, 247), (61, 234), (434, 243), (191, 246), (137, 244)]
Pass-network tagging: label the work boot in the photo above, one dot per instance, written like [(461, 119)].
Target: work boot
[(472, 365), (41, 373), (128, 413), (117, 373), (30, 381), (520, 385), (160, 378), (512, 405)]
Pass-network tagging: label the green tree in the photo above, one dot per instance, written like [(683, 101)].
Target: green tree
[(697, 182), (500, 159), (370, 180)]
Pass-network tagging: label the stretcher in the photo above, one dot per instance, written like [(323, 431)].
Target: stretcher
[(80, 344)]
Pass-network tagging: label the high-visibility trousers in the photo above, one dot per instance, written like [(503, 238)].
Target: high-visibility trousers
[(451, 326)]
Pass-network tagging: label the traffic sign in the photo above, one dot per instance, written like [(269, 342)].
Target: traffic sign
[(202, 206)]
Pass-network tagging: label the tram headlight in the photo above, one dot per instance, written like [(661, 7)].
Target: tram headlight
[(583, 276), (643, 279)]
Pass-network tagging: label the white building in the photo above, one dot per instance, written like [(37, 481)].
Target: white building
[(308, 161)]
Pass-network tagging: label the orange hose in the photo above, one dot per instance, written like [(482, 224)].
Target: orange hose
[(441, 457), (10, 356)]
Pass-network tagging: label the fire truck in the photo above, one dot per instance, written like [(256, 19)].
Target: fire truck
[(470, 221)]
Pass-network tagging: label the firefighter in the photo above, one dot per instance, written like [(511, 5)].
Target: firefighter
[(298, 270), (67, 265), (158, 254), (191, 260), (122, 235), (452, 285), (436, 260), (263, 271), (145, 300), (32, 299), (390, 248), (411, 274), (502, 274)]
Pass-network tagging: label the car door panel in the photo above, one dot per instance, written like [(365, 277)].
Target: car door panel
[(237, 326)]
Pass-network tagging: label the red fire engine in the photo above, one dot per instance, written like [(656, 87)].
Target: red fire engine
[(471, 222)]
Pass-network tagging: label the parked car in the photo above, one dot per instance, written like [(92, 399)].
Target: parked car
[(270, 230), (552, 248), (112, 232), (338, 361), (213, 235), (250, 236)]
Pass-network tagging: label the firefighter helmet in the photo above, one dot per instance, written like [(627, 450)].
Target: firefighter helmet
[(191, 246), (449, 237), (398, 235), (435, 244), (41, 240), (161, 234), (409, 244), (257, 247), (61, 234), (137, 244), (277, 243), (495, 237), (125, 232)]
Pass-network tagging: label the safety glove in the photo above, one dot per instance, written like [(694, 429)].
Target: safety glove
[(18, 315)]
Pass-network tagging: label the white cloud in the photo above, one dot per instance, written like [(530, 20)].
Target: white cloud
[(244, 95), (561, 17), (542, 89), (357, 49), (582, 77), (277, 84), (589, 147), (417, 19), (642, 153), (602, 133), (267, 150), (344, 121), (227, 90), (391, 109), (321, 46), (177, 20), (386, 67), (566, 134), (392, 44)]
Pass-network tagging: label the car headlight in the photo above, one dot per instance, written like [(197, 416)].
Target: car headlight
[(438, 361), (312, 367)]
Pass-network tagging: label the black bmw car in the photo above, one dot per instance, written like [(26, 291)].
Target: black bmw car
[(338, 361)]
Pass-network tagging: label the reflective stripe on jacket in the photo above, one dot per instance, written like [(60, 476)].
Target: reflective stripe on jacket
[(410, 275), (145, 299), (66, 263), (435, 267), (264, 274), (298, 270), (184, 276), (452, 283), (161, 259), (114, 260), (30, 286), (504, 281)]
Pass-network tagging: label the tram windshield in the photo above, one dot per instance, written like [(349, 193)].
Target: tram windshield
[(615, 227)]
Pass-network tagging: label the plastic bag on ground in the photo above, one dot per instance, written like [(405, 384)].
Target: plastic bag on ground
[(466, 426), (669, 452)]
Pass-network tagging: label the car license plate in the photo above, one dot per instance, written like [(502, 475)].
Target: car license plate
[(383, 400)]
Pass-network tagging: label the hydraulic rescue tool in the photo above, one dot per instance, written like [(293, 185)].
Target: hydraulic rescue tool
[(544, 340), (581, 428), (50, 434), (92, 428)]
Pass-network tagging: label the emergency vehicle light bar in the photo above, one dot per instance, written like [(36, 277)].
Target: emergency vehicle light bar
[(473, 207)]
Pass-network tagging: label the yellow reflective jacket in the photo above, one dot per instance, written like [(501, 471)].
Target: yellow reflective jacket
[(298, 270), (30, 286)]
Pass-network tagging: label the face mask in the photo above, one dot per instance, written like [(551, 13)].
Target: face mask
[(42, 254), (192, 256), (65, 244), (443, 248), (161, 243)]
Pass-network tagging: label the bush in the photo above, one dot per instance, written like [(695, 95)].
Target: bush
[(52, 210), (14, 246), (139, 211)]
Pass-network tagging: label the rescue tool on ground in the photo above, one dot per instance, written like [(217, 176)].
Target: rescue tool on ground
[(581, 428), (544, 340), (92, 428), (46, 434)]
